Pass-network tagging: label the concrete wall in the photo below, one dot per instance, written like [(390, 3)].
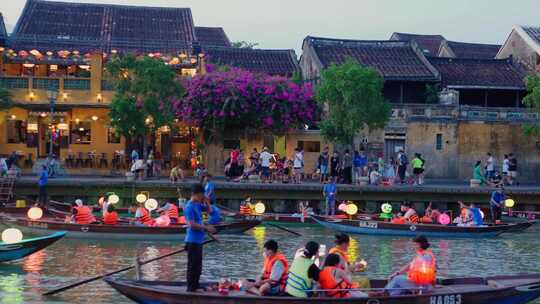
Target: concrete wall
[(521, 51)]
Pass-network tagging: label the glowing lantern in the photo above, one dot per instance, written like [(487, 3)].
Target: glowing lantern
[(260, 208), (113, 199), (163, 221), (35, 213), (23, 54), (509, 203), (49, 53), (11, 236), (443, 219), (352, 209), (342, 207), (151, 204), (140, 198), (386, 208)]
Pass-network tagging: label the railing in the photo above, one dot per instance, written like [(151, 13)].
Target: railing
[(46, 83), (77, 84), (14, 82)]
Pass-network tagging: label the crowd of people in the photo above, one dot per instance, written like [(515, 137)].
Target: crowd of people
[(487, 172)]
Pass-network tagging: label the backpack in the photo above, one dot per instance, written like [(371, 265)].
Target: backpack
[(404, 160)]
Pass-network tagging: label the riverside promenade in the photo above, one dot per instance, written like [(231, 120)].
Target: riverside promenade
[(90, 188)]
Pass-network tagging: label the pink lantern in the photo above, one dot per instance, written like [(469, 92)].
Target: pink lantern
[(23, 54), (162, 221), (342, 207), (444, 219)]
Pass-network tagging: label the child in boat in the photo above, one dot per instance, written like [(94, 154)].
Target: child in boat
[(274, 273), (335, 282), (111, 216), (420, 274)]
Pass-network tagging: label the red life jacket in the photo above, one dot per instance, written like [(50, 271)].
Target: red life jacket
[(344, 255), (245, 210), (173, 212), (333, 289), (145, 218), (423, 270), (110, 218), (84, 215), (269, 264)]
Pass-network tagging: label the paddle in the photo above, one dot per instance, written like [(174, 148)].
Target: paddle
[(284, 229), (52, 292)]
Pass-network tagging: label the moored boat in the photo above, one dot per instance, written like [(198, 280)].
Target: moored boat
[(430, 230), (19, 250), (517, 289), (119, 232)]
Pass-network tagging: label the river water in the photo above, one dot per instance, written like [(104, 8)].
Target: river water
[(241, 256)]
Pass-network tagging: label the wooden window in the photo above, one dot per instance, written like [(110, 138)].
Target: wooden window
[(438, 142)]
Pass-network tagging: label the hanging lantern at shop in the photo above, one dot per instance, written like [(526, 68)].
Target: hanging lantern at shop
[(11, 236), (35, 213)]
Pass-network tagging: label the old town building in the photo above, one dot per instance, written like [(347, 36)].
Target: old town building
[(523, 44)]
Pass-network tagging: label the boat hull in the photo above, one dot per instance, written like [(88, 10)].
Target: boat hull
[(118, 232), (430, 230), (502, 290), (10, 252)]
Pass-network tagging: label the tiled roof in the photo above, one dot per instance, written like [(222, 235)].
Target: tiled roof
[(3, 31), (478, 73), (473, 50), (273, 62), (212, 36), (533, 32), (425, 42), (395, 60), (63, 25)]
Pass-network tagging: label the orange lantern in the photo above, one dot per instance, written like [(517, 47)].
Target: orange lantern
[(422, 271)]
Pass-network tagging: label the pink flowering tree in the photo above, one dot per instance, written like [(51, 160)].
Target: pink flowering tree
[(238, 100)]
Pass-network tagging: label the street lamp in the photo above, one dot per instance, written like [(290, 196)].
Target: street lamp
[(52, 94)]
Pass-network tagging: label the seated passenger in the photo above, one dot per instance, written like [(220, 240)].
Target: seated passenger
[(475, 213), (245, 206), (420, 274), (464, 219), (431, 216), (409, 215), (82, 214), (334, 281), (143, 217), (341, 249), (170, 210), (303, 272), (274, 273), (111, 216)]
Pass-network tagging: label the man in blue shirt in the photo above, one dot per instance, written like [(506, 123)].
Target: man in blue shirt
[(496, 204), (329, 193), (42, 183), (209, 189), (195, 236)]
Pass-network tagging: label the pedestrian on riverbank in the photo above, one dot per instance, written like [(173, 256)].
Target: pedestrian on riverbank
[(42, 183), (323, 164), (298, 162), (505, 167), (347, 166), (403, 162), (195, 234), (512, 169), (417, 165), (490, 166), (335, 163), (359, 162), (329, 194), (477, 173), (264, 159)]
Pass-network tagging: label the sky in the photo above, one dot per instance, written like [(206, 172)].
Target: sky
[(283, 24)]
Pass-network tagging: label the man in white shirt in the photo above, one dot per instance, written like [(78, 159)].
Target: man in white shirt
[(298, 164), (490, 167), (265, 158)]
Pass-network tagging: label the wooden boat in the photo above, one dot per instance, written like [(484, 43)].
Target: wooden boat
[(10, 252), (518, 289), (430, 230), (116, 232)]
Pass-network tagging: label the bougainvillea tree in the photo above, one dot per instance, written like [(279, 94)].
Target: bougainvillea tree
[(237, 100)]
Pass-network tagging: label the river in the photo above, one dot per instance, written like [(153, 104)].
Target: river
[(241, 256)]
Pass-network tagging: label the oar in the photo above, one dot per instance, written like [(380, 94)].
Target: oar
[(52, 292), (284, 229)]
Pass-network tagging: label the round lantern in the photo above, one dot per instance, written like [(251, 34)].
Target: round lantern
[(352, 209), (163, 221), (342, 207), (35, 213), (260, 208), (140, 198), (113, 199), (443, 219), (151, 204), (12, 235), (386, 208), (509, 203)]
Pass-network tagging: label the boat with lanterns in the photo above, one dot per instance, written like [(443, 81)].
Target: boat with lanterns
[(517, 289), (14, 247)]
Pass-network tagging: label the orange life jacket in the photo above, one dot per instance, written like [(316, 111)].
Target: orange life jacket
[(245, 210), (399, 220), (145, 218), (110, 218), (414, 219), (182, 220), (423, 269), (343, 254), (333, 289), (426, 219), (84, 215), (173, 212), (269, 264)]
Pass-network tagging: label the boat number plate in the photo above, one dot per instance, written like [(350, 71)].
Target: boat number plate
[(38, 225), (365, 224), (447, 299), (413, 228), (84, 229)]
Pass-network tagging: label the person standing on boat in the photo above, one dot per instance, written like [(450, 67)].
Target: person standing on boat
[(496, 204), (274, 273), (214, 213), (420, 274), (303, 271), (42, 183), (329, 193), (195, 236)]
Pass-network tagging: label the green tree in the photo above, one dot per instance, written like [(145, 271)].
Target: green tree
[(432, 94), (244, 45), (352, 98), (532, 100), (144, 88), (5, 99)]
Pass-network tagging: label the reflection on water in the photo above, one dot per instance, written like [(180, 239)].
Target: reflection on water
[(241, 257)]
